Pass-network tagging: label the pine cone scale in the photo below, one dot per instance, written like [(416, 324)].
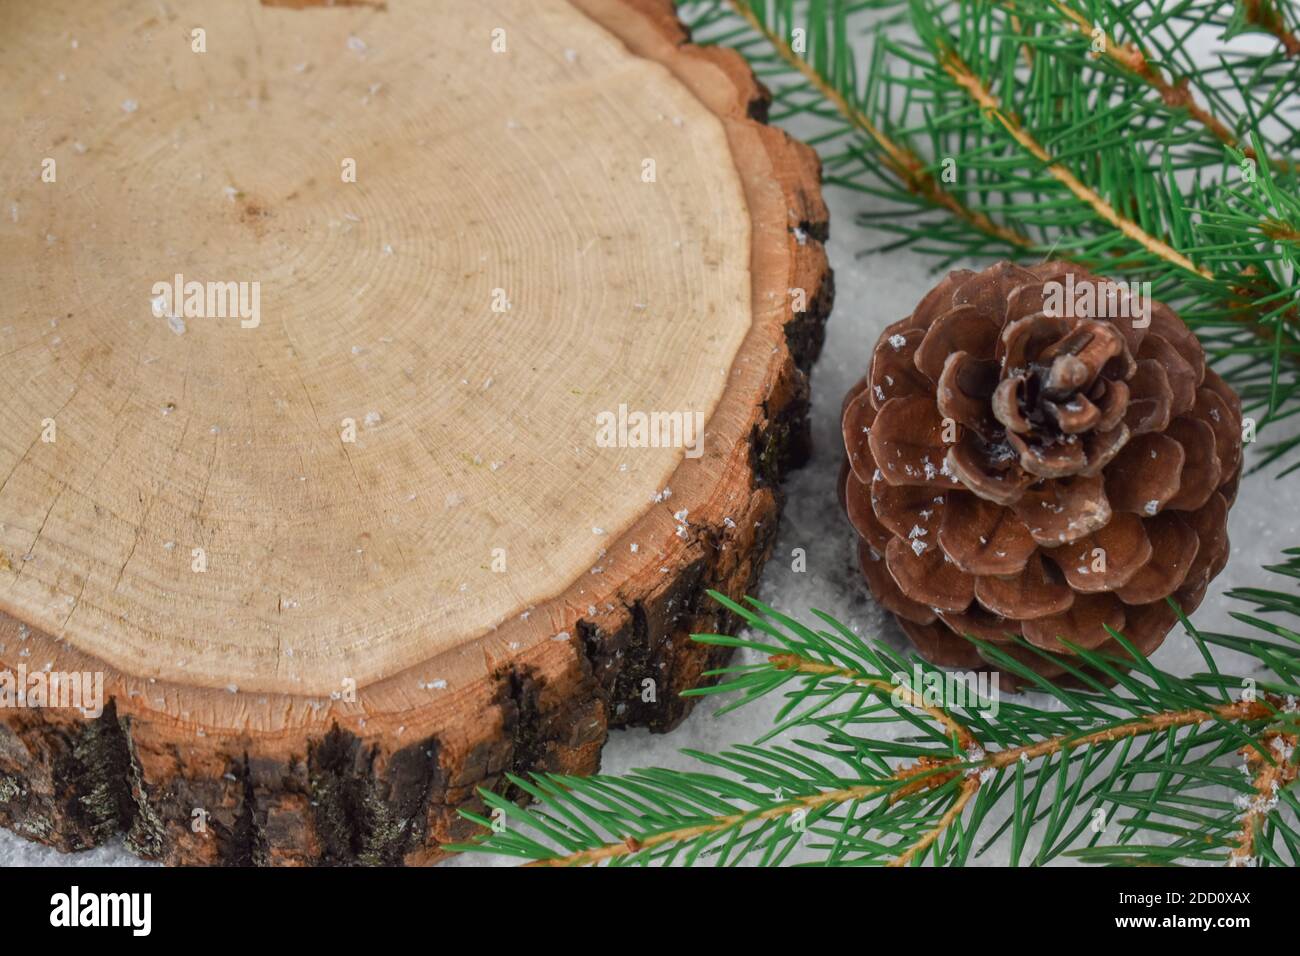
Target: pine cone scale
[(1123, 540), (983, 539), (1032, 593), (925, 577), (907, 443), (1084, 624), (961, 329)]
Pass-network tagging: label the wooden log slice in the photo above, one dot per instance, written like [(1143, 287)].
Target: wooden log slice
[(346, 551)]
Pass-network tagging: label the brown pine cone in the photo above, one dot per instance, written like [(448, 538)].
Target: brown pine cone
[(1014, 472)]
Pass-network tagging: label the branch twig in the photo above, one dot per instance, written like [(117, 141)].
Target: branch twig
[(925, 774), (1266, 18), (1270, 777), (911, 169), (1133, 59), (792, 662), (903, 162), (962, 74)]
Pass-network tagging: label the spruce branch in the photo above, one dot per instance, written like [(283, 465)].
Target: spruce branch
[(905, 164), (1272, 771), (1135, 59), (955, 67), (1266, 16), (801, 665), (852, 797), (1120, 159)]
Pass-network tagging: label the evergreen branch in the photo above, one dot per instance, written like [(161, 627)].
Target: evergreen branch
[(989, 105), (1093, 167), (969, 787), (913, 791), (906, 165), (1137, 61), (974, 765), (631, 845), (1273, 772), (1264, 15), (801, 665)]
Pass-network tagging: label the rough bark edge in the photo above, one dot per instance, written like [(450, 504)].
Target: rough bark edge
[(339, 798)]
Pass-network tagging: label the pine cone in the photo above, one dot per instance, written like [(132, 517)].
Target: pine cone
[(1014, 471)]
